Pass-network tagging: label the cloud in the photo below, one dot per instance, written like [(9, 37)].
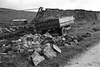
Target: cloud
[(62, 4), (90, 5), (10, 3)]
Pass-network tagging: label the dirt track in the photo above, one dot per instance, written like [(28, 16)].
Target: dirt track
[(89, 59)]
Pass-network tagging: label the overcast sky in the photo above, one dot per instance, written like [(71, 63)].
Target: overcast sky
[(61, 4)]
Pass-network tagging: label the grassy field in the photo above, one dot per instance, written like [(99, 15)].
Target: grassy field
[(7, 15)]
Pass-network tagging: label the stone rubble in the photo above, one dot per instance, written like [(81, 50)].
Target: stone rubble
[(39, 47)]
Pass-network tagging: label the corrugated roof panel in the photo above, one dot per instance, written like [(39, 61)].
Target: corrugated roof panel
[(66, 19)]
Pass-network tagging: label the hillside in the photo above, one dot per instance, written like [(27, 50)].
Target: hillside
[(6, 15), (85, 31)]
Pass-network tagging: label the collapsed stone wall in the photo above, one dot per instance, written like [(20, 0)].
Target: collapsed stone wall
[(98, 15), (78, 14), (53, 14), (85, 15)]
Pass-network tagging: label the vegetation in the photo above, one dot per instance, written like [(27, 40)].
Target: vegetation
[(79, 28)]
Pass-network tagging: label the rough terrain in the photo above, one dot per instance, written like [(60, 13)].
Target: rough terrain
[(84, 24), (89, 59)]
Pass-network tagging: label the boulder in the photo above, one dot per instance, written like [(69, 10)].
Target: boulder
[(66, 44), (36, 58), (48, 35), (56, 48), (49, 52)]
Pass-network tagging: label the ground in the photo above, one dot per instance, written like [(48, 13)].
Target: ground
[(91, 58), (69, 53), (83, 48)]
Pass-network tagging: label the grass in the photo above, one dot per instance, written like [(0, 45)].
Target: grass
[(7, 15), (68, 53)]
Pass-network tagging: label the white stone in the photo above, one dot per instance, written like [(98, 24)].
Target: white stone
[(48, 51), (37, 58), (56, 48)]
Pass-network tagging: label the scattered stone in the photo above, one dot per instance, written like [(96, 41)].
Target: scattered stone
[(39, 47), (47, 35), (49, 52), (37, 58), (66, 44), (56, 48), (75, 40)]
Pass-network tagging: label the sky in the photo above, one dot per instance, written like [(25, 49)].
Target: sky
[(61, 4)]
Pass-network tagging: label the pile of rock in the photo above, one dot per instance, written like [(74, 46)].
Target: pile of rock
[(13, 31), (58, 13), (39, 47)]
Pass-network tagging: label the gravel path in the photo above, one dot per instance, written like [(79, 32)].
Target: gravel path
[(89, 59)]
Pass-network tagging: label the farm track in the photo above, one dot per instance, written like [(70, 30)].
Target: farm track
[(89, 59)]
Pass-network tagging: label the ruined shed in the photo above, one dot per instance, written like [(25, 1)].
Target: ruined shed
[(19, 22)]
